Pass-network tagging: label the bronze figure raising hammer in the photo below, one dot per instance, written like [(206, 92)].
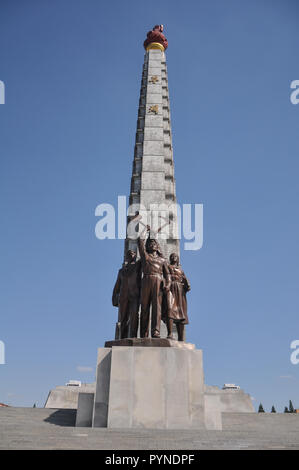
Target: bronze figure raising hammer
[(155, 278)]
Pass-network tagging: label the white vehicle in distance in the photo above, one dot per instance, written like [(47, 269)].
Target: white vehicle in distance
[(74, 383), (230, 387)]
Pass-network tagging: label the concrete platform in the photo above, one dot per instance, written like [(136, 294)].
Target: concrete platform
[(64, 396), (228, 401), (40, 428)]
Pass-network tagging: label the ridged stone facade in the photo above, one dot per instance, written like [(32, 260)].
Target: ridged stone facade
[(153, 179)]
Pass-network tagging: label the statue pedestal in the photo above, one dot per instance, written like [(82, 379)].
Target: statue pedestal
[(158, 384), (149, 385)]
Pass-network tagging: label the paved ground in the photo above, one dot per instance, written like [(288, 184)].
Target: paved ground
[(40, 428)]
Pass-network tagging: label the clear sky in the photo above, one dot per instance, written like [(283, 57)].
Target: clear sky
[(72, 72)]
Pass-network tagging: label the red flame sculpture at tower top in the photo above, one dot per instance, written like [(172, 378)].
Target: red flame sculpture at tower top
[(156, 36)]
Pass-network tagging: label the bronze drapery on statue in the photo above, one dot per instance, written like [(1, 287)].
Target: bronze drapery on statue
[(175, 310)]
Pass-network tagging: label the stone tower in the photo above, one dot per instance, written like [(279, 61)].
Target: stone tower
[(153, 181)]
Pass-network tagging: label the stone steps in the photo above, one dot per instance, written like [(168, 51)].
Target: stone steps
[(41, 428), (59, 417), (269, 422)]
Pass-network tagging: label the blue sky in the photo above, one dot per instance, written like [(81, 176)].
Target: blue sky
[(72, 73)]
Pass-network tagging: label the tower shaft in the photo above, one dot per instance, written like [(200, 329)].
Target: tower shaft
[(153, 192)]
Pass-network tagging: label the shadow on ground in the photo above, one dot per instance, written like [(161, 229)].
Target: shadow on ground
[(63, 417)]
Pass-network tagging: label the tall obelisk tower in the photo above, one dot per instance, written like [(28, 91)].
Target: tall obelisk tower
[(153, 183)]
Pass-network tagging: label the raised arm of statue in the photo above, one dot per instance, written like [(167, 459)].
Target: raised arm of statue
[(141, 247), (141, 242)]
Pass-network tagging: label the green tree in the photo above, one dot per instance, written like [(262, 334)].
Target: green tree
[(291, 408), (261, 409), (286, 410), (273, 410)]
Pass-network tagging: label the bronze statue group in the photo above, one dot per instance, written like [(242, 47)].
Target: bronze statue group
[(154, 284)]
